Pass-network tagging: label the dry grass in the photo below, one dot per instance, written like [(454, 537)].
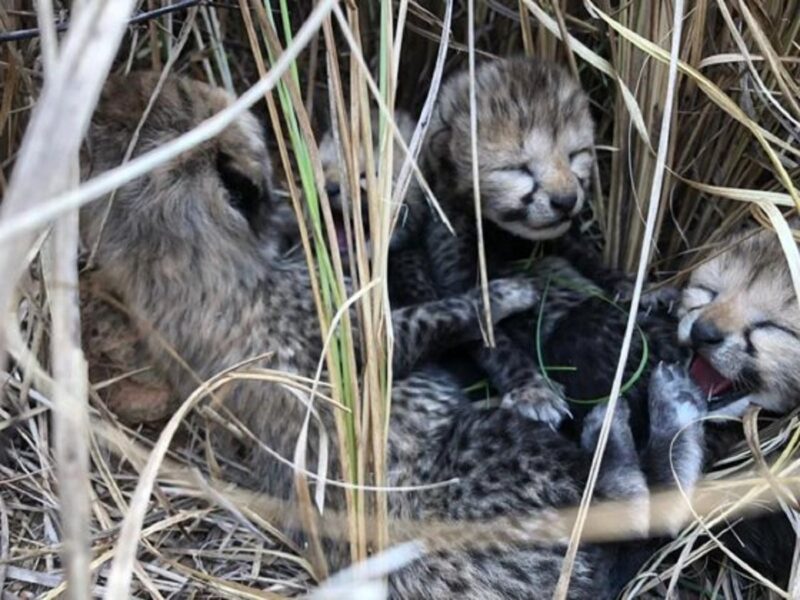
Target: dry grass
[(730, 152)]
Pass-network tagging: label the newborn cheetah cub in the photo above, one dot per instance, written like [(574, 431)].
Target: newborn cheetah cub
[(535, 138), (338, 188), (335, 175), (740, 314)]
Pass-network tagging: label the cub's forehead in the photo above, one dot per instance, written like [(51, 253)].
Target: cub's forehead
[(733, 266), (523, 105), (507, 87), (751, 264)]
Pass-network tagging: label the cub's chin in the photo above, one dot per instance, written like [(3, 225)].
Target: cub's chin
[(536, 233)]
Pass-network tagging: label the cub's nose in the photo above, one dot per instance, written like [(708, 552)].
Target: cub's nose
[(564, 203), (705, 333)]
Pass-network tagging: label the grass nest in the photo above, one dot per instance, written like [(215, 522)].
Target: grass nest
[(731, 155)]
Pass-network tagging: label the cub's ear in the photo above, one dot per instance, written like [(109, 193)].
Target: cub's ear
[(244, 195)]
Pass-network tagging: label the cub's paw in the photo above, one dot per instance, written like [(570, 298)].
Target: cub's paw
[(621, 476), (135, 403), (675, 400), (511, 295), (539, 401), (662, 298), (665, 297)]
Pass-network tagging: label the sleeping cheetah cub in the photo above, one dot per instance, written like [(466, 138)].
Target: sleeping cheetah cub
[(535, 138), (410, 281), (188, 249), (335, 184), (340, 196)]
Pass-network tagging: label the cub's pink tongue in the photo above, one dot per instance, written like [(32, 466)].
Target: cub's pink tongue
[(707, 377)]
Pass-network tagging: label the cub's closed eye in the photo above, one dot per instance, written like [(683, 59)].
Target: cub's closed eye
[(577, 153), (707, 290), (524, 169), (767, 324), (696, 297)]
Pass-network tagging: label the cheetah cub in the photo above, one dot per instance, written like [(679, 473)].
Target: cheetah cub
[(535, 138), (409, 279), (739, 313), (335, 184)]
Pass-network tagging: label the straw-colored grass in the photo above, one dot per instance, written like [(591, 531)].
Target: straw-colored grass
[(698, 132)]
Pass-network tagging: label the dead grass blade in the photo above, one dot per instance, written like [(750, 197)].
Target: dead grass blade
[(488, 326), (714, 93), (51, 143), (70, 401), (119, 578)]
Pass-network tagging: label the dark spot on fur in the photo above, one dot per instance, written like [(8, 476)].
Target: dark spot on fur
[(515, 568)]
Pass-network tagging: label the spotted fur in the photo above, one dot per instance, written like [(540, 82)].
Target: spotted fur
[(187, 248), (746, 282), (581, 325)]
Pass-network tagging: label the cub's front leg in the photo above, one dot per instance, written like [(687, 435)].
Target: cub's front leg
[(515, 374), (422, 330), (511, 370)]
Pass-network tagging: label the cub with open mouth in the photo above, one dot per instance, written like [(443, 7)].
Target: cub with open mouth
[(336, 185), (740, 314)]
